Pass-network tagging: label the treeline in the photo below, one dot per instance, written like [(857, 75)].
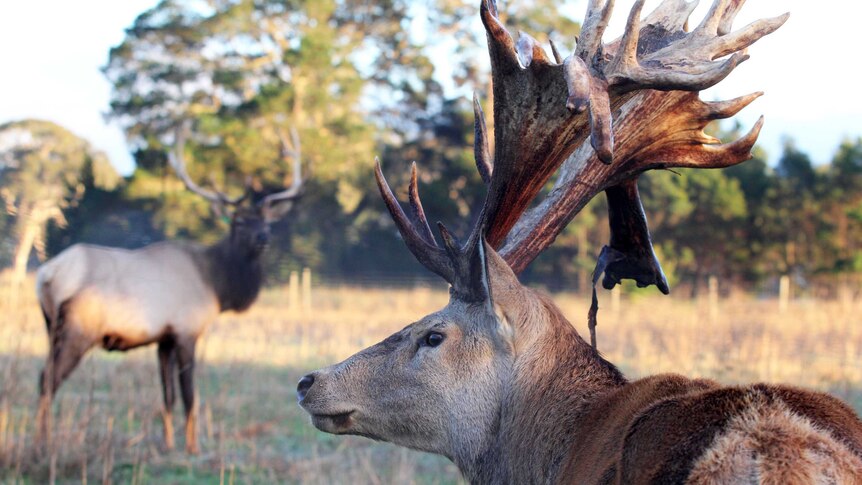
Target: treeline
[(357, 79), (747, 224)]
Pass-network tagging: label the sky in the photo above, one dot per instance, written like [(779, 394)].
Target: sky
[(51, 52)]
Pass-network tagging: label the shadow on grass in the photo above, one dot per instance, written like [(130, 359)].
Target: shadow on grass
[(107, 426)]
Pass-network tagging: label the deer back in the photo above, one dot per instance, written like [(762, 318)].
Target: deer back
[(129, 292)]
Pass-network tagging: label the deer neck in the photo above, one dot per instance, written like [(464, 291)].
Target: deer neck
[(556, 379), (235, 274)]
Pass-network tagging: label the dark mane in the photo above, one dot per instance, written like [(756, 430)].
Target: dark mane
[(235, 273)]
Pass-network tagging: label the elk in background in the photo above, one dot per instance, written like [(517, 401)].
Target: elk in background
[(499, 381), (165, 293)]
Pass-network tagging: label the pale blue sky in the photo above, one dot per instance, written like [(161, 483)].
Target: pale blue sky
[(51, 51)]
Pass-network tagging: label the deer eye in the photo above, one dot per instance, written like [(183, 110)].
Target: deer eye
[(433, 339)]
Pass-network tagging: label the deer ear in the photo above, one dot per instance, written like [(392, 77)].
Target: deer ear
[(501, 323)]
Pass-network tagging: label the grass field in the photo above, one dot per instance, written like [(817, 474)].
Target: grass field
[(108, 426)]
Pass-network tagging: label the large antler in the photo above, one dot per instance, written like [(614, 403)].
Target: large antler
[(273, 206), (218, 200), (276, 205), (538, 102), (636, 100)]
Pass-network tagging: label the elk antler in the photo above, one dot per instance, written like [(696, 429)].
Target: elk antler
[(219, 200), (635, 98), (276, 205)]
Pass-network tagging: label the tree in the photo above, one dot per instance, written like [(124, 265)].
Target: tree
[(697, 218), (844, 205), (44, 167), (246, 72), (756, 255), (795, 202)]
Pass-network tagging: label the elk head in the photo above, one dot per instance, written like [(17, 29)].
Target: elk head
[(249, 221), (442, 384)]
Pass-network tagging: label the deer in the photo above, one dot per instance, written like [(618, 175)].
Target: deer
[(499, 381), (165, 293)]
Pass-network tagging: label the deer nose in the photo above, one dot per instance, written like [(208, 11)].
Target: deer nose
[(262, 238), (304, 385)]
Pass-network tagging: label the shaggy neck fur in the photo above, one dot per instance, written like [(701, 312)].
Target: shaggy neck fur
[(235, 273), (556, 376)]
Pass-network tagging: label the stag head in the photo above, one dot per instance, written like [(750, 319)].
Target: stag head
[(418, 388), (249, 221), (442, 383)]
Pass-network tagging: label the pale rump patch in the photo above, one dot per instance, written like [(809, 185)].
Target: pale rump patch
[(769, 444)]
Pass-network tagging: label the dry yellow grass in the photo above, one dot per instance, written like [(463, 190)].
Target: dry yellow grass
[(107, 424)]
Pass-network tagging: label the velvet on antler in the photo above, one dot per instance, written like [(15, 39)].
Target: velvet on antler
[(635, 99)]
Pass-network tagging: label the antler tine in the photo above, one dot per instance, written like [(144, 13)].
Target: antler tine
[(420, 222), (725, 109), (627, 53), (734, 41), (292, 149), (730, 12), (557, 57), (177, 161), (481, 151), (425, 250), (501, 46), (456, 263), (685, 61), (671, 15), (709, 25), (720, 155), (595, 23)]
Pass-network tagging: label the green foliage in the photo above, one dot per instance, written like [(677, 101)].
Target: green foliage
[(256, 70), (358, 79), (45, 169)]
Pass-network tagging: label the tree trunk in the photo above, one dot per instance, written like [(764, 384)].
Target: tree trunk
[(31, 230)]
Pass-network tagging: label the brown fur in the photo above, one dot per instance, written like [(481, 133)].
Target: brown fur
[(519, 397), (164, 293)]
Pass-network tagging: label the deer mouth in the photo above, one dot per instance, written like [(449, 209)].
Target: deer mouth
[(332, 423)]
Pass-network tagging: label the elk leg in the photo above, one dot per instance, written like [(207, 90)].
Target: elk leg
[(64, 355), (167, 366), (186, 361)]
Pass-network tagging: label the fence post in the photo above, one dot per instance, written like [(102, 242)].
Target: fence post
[(306, 290), (845, 296), (713, 298), (783, 293), (293, 292)]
